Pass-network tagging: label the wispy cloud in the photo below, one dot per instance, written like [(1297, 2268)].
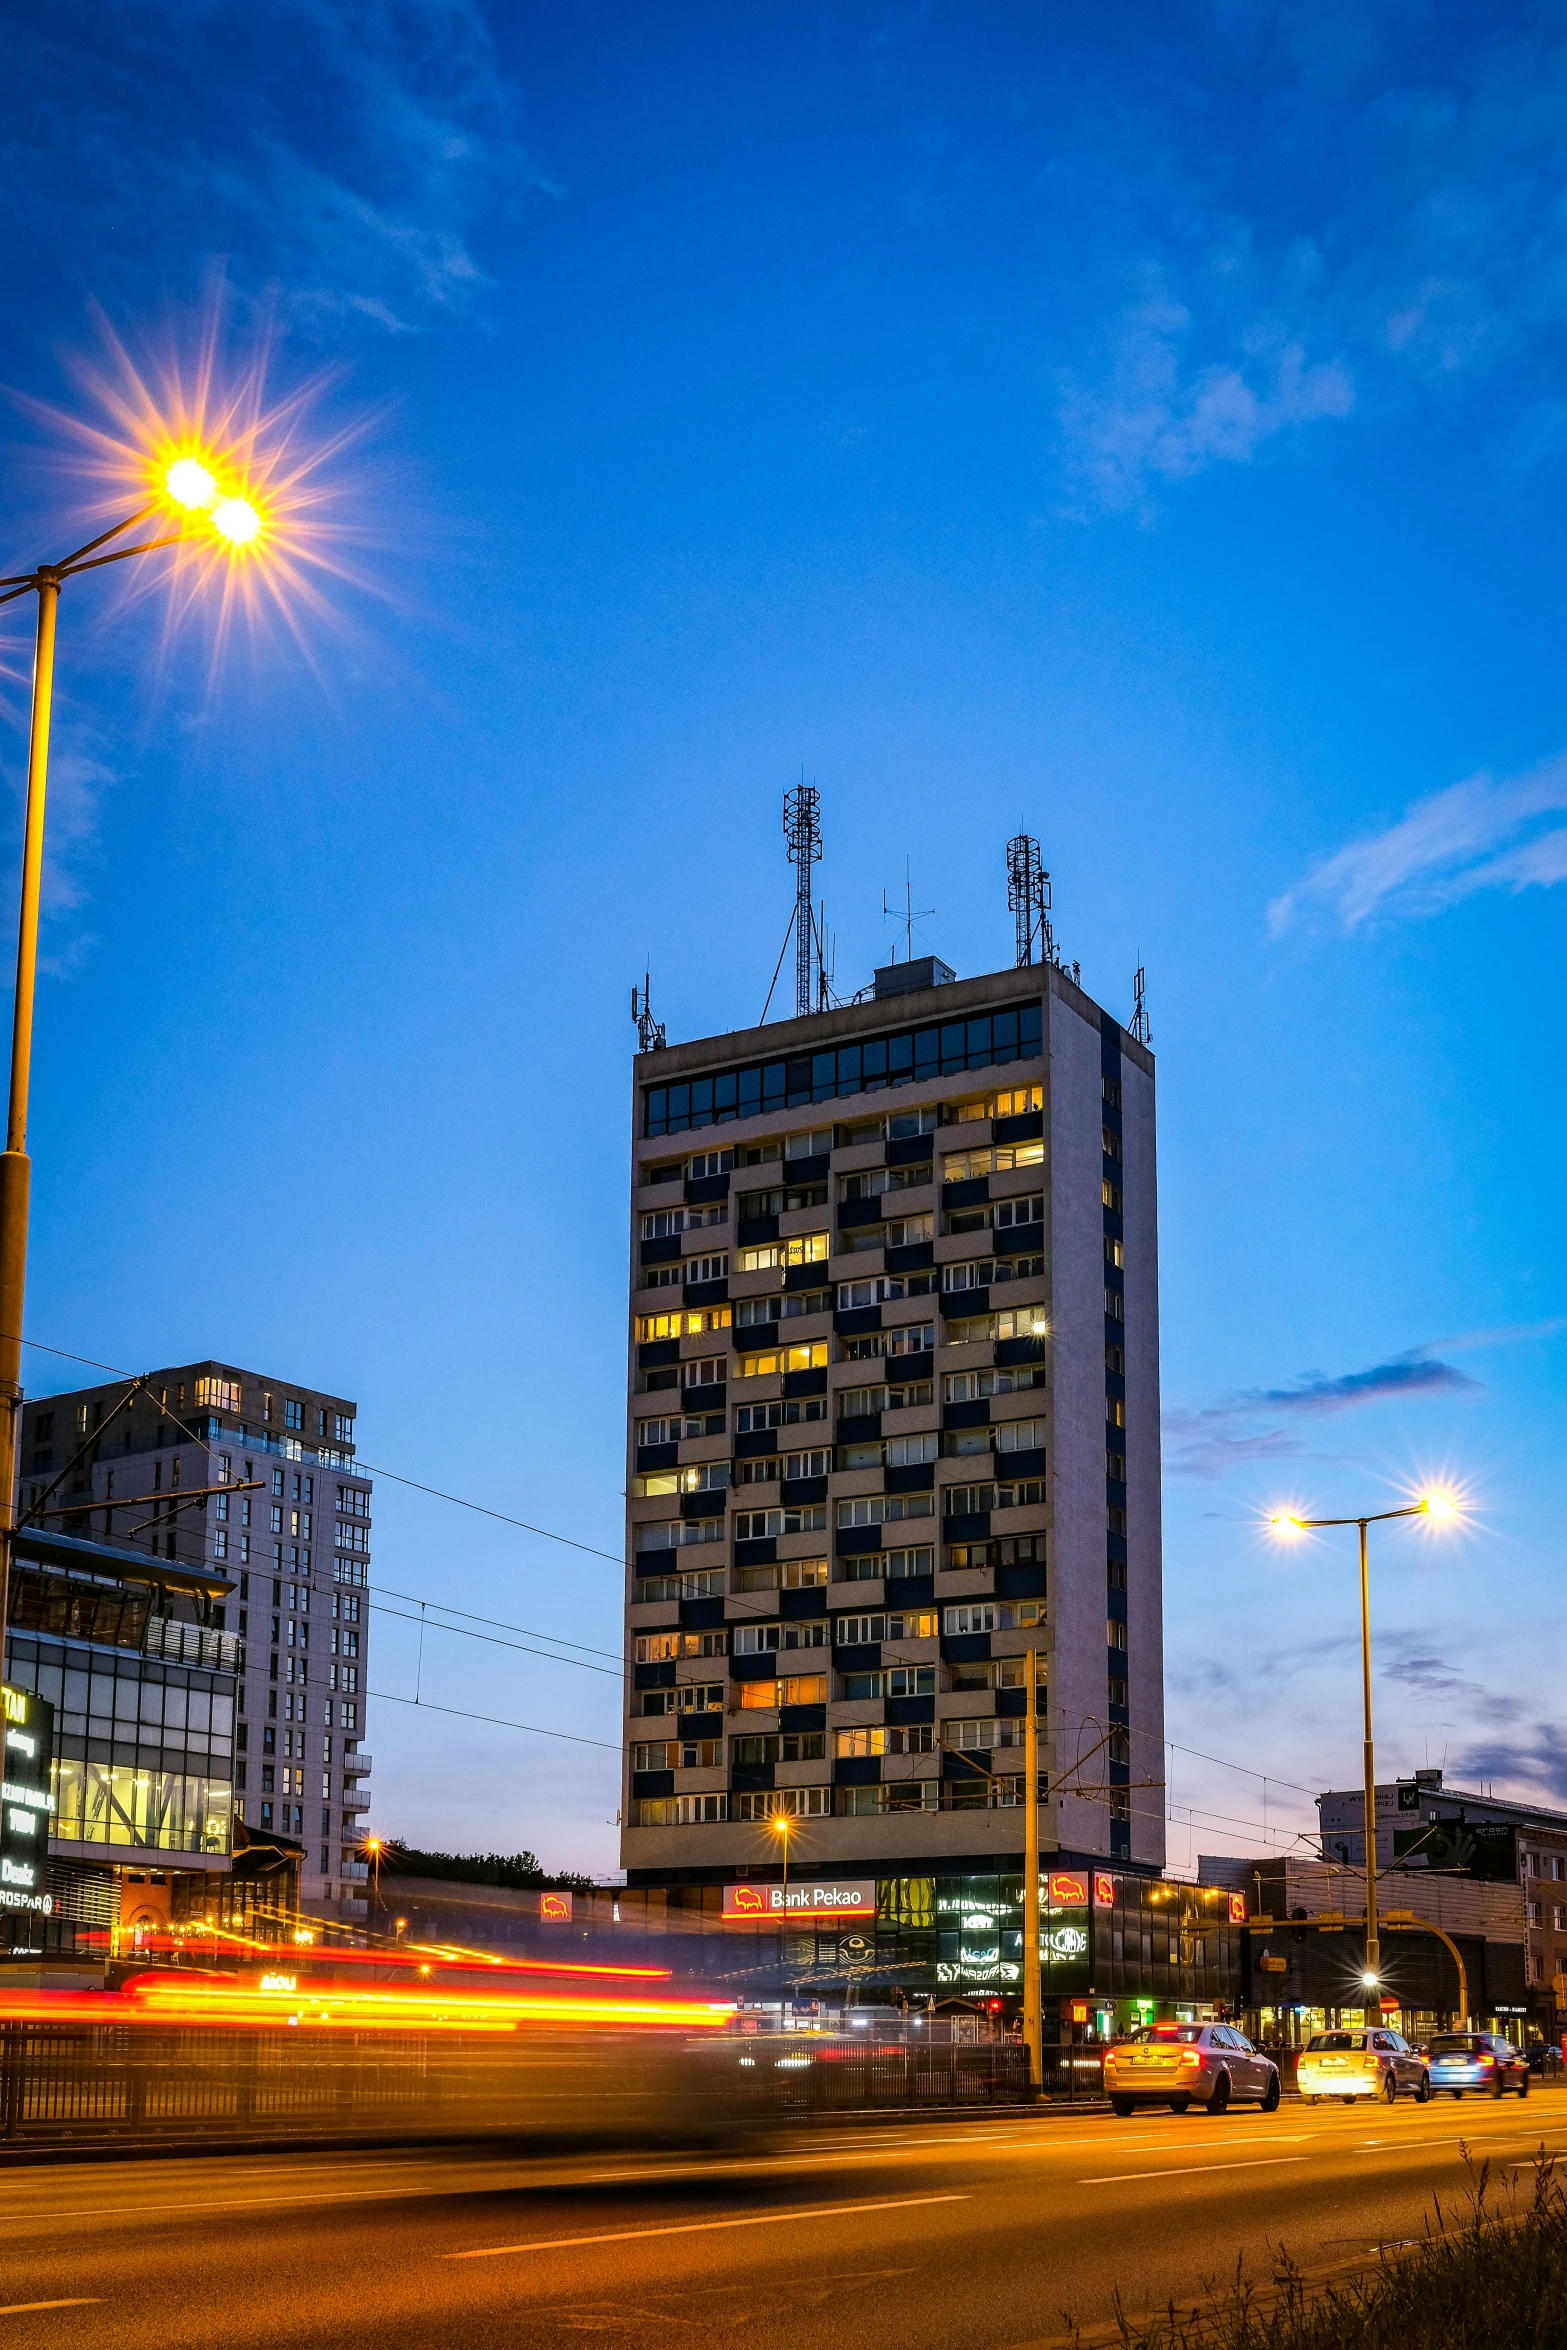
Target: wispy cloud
[(1533, 1764), (338, 159), (1267, 1423), (1483, 833)]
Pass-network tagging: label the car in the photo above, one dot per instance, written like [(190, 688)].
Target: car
[(1544, 2057), (1180, 2065), (1351, 2065), (1486, 2062)]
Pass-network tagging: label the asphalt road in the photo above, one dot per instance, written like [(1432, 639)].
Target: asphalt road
[(974, 2233)]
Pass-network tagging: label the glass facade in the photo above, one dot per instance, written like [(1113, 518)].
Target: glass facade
[(988, 1041)]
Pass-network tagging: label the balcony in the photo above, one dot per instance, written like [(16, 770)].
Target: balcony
[(356, 1799), (354, 1871), (356, 1762), (190, 1644)]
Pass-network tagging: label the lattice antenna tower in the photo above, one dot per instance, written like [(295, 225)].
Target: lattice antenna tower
[(1028, 897), (650, 1032), (1139, 1021), (803, 832)]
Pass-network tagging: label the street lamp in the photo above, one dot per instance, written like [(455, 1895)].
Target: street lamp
[(206, 495), (781, 1825), (1442, 1508), (372, 1846)]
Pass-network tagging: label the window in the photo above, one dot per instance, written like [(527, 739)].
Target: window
[(1117, 1691), (798, 1632), (1020, 1435), (675, 1429), (691, 1697), (1115, 1252), (894, 1795), (810, 1357), (714, 1268), (885, 1509), (694, 1322), (891, 1681), (1115, 1411), (983, 1734), (807, 1464), (1115, 1575), (916, 1338), (761, 1469), (1115, 1358), (667, 1223), (661, 1277), (293, 1415), (700, 1477), (1028, 1209), (985, 1272), (213, 1395), (802, 1574), (997, 1672), (1110, 1193), (1115, 1632), (994, 1615), (792, 1689), (675, 1533), (706, 1584), (761, 1525), (352, 1502), (998, 1159), (892, 1452), (1111, 1142), (964, 1501), (679, 1754), (1111, 1087), (1115, 1305), (761, 1260), (978, 1386), (795, 1411), (811, 1803), (655, 1648), (883, 1289), (893, 1738), (901, 1126), (704, 1163), (1115, 1467), (871, 1566), (874, 1182), (806, 1248), (342, 1428), (855, 1403), (1017, 1322), (775, 1746), (704, 1371), (867, 1631), (678, 1811)]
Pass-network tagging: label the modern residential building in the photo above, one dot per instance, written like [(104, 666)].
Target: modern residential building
[(1426, 1829), (894, 1425), (251, 1483)]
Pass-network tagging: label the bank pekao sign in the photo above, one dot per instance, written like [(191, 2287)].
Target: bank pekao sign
[(27, 1727), (812, 1897)]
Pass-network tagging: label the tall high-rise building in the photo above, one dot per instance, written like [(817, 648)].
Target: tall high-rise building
[(254, 1480), (894, 1423)]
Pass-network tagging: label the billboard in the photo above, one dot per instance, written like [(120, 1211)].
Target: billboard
[(25, 1805), (812, 1897)]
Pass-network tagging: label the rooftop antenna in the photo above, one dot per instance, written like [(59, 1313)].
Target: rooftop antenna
[(803, 832), (650, 1032), (911, 914), (1139, 1025), (1028, 897)]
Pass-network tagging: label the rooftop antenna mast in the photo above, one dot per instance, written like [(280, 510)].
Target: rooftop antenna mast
[(650, 1032), (1028, 897), (911, 914), (1139, 1023), (803, 832)]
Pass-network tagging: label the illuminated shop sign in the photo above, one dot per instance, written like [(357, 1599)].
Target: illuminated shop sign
[(1104, 1889), (826, 1897), (25, 1804), (1067, 1891), (1237, 1909), (555, 1908)]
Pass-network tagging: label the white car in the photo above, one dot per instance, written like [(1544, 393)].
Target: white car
[(1376, 2063), (1188, 2064)]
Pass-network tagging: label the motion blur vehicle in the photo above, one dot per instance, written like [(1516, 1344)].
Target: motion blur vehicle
[(1482, 2061), (1544, 2057), (1377, 2063), (1188, 2064)]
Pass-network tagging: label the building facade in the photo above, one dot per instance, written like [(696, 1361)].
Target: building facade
[(222, 1472), (893, 1427)]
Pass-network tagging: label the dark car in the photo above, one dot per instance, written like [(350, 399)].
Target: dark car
[(1544, 2057), (1482, 2061)]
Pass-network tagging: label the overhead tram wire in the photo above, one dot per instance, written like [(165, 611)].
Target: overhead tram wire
[(502, 1517), (466, 1714)]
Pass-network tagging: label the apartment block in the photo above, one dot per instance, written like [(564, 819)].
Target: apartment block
[(893, 1428), (251, 1481)]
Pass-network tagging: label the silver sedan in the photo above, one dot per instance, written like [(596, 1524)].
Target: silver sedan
[(1188, 2064)]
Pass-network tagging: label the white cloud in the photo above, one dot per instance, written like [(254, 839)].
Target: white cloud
[(1443, 848)]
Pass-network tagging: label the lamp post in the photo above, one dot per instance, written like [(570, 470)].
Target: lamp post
[(781, 1829), (1033, 2004), (194, 490), (1285, 1523)]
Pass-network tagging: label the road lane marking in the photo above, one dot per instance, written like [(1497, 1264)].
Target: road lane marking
[(77, 2301), (1193, 2171), (702, 2227)]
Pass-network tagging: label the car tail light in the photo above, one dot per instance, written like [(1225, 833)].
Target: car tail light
[(1490, 2060), (1191, 2056)]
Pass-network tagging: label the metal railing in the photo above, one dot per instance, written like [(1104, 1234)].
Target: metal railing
[(190, 1644)]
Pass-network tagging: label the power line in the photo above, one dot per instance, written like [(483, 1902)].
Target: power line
[(464, 1713), (461, 1632), (498, 1622)]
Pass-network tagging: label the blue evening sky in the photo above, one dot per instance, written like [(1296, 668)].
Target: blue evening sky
[(1149, 422)]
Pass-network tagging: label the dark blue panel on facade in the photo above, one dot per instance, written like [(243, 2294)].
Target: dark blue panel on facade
[(657, 1351), (755, 1442), (652, 1783), (911, 1591), (754, 1668), (755, 1231), (957, 1304), (1021, 1464), (908, 1150), (973, 1526), (703, 1725), (860, 1211), (849, 1325), (811, 1170), (793, 1605), (1029, 1126), (866, 1658), (854, 1541), (1120, 1715), (1020, 1350), (917, 1258), (904, 1710), (707, 1293), (1115, 1330), (705, 1187), (706, 1399), (802, 1717), (970, 1194), (905, 1367), (919, 1477), (1024, 1582), (751, 1778), (971, 1765), (657, 1456), (1012, 1703), (799, 1492), (760, 1553), (966, 1415), (1115, 1548), (858, 1428), (703, 1505), (1115, 1493), (698, 1615), (653, 1676), (966, 1648), (804, 1383), (661, 1252), (857, 1771), (754, 1338)]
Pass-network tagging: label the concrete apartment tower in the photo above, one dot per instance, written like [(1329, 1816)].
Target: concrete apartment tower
[(293, 1541), (894, 1419)]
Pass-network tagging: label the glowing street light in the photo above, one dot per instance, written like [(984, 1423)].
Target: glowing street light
[(207, 497), (1289, 1525), (781, 1824)]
